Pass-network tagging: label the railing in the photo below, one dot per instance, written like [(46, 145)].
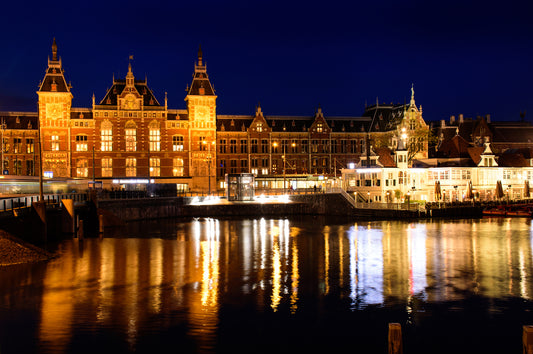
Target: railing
[(13, 203), (390, 206)]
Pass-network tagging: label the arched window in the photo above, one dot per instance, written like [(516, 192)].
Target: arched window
[(107, 167), (155, 167), (82, 168), (155, 136), (131, 136), (106, 136), (131, 167)]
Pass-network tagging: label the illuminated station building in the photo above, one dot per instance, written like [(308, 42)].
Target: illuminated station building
[(129, 138)]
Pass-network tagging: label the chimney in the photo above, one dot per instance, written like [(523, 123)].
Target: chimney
[(452, 120), (488, 118), (461, 118), (443, 123)]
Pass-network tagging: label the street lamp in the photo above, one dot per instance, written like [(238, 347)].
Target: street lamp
[(208, 159), (3, 128), (275, 144)]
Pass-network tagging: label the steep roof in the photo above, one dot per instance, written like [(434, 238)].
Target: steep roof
[(454, 147), (385, 157), (112, 94), (54, 78), (19, 120), (200, 83), (385, 117)]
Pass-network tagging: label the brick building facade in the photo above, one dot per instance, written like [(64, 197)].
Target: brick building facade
[(129, 135)]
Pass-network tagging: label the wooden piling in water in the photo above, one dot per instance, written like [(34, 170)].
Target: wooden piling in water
[(395, 339), (101, 223), (527, 339), (80, 230)]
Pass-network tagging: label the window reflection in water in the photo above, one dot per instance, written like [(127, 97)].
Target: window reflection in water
[(125, 282)]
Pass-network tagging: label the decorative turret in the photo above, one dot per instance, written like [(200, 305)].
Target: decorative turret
[(54, 79), (55, 100), (201, 108), (54, 51), (412, 103), (200, 84)]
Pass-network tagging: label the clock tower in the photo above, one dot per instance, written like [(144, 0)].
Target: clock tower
[(55, 101), (201, 107)]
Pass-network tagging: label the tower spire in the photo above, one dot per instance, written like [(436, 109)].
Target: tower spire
[(200, 55), (412, 103), (54, 50)]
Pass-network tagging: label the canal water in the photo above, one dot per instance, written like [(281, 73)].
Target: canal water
[(276, 285)]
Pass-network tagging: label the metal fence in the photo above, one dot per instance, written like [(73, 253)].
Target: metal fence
[(12, 203)]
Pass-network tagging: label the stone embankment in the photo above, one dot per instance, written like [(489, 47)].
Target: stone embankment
[(15, 251)]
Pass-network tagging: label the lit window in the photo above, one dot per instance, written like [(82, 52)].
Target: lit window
[(177, 170), (17, 145), (30, 147), (107, 167), (155, 137), (131, 137), (82, 168), (131, 167), (155, 167), (55, 142), (81, 142), (106, 136), (177, 143)]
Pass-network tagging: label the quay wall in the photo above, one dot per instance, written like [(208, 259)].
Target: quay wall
[(115, 211), (331, 204)]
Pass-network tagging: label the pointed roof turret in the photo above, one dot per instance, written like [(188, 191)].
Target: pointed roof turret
[(258, 110), (54, 79), (200, 85)]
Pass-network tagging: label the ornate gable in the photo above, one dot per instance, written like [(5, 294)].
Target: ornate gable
[(319, 124), (259, 124)]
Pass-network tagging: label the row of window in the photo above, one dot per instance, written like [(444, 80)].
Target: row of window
[(178, 167), (129, 114), (17, 167), (294, 146), (18, 147)]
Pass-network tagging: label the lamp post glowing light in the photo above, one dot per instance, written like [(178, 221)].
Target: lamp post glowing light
[(208, 159), (275, 144)]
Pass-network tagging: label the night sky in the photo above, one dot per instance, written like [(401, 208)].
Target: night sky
[(464, 57)]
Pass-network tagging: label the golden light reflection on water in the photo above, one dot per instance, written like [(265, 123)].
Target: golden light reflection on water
[(276, 276), (126, 282)]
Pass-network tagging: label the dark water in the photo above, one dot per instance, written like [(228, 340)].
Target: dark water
[(276, 285)]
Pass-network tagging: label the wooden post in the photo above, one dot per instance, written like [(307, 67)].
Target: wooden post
[(40, 208), (80, 230), (527, 339), (395, 338), (68, 216), (101, 223)]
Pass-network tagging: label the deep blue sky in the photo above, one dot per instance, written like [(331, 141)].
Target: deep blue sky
[(462, 57)]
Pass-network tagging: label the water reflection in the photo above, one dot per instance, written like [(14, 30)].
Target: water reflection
[(138, 285)]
